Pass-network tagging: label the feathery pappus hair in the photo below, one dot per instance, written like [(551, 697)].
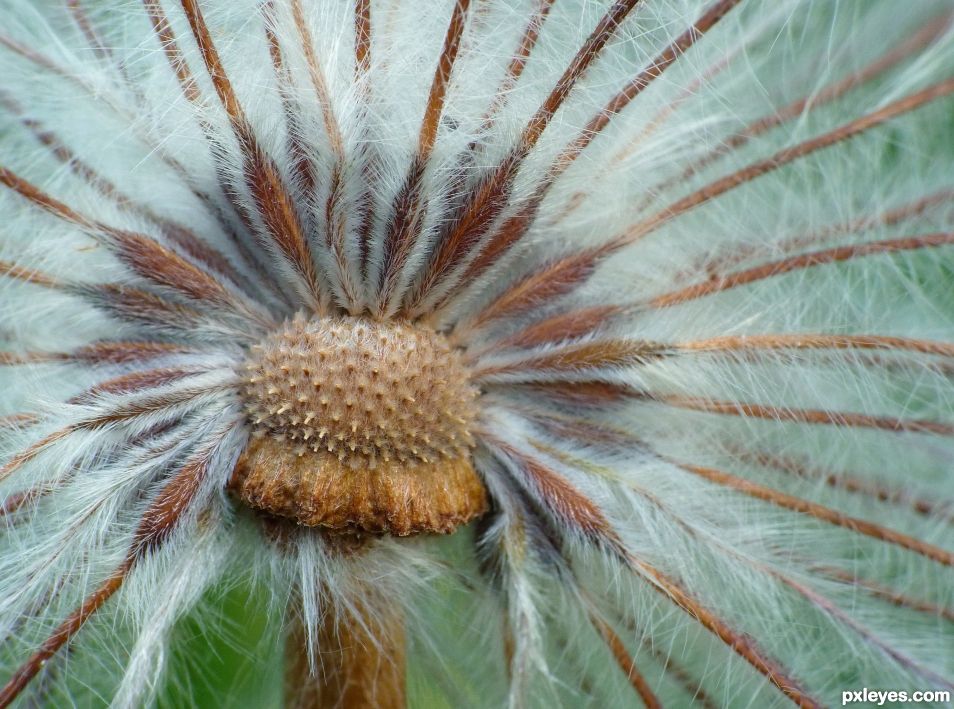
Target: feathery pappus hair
[(499, 352)]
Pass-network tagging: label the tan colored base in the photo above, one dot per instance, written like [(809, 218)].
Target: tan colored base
[(393, 498), (354, 671)]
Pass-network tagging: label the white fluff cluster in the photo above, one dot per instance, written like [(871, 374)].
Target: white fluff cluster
[(697, 256)]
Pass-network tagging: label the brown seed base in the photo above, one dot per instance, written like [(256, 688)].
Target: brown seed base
[(320, 491)]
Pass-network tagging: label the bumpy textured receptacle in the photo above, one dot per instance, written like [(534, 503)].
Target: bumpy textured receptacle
[(360, 426)]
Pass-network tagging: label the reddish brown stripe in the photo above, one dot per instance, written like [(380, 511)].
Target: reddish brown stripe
[(18, 420), (922, 38), (891, 217), (492, 194), (887, 594), (317, 77), (365, 206), (542, 286), (576, 357), (518, 63), (821, 603), (28, 670), (210, 56), (32, 451), (485, 203), (133, 382), (174, 500), (18, 358), (527, 42), (810, 416), (707, 21), (599, 394), (740, 643), (143, 406), (729, 182), (262, 176), (559, 495), (565, 326), (82, 21), (191, 245), (850, 483), (37, 58), (435, 99), (409, 204), (189, 87), (48, 203), (159, 149), (786, 156), (125, 352), (795, 263), (509, 233), (157, 523), (811, 341), (590, 50), (831, 610), (927, 34), (29, 275), (147, 257), (362, 36), (12, 503), (123, 384), (362, 65), (516, 226), (165, 267), (298, 157), (688, 91), (335, 221), (281, 220), (40, 198), (627, 663), (584, 431), (820, 512), (402, 229), (167, 40), (141, 306), (566, 501), (681, 675), (60, 151)]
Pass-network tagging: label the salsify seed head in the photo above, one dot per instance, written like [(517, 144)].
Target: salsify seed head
[(475, 353)]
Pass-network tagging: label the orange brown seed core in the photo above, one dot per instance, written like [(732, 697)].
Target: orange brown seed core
[(360, 426)]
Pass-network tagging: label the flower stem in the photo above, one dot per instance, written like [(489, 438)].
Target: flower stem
[(360, 662)]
